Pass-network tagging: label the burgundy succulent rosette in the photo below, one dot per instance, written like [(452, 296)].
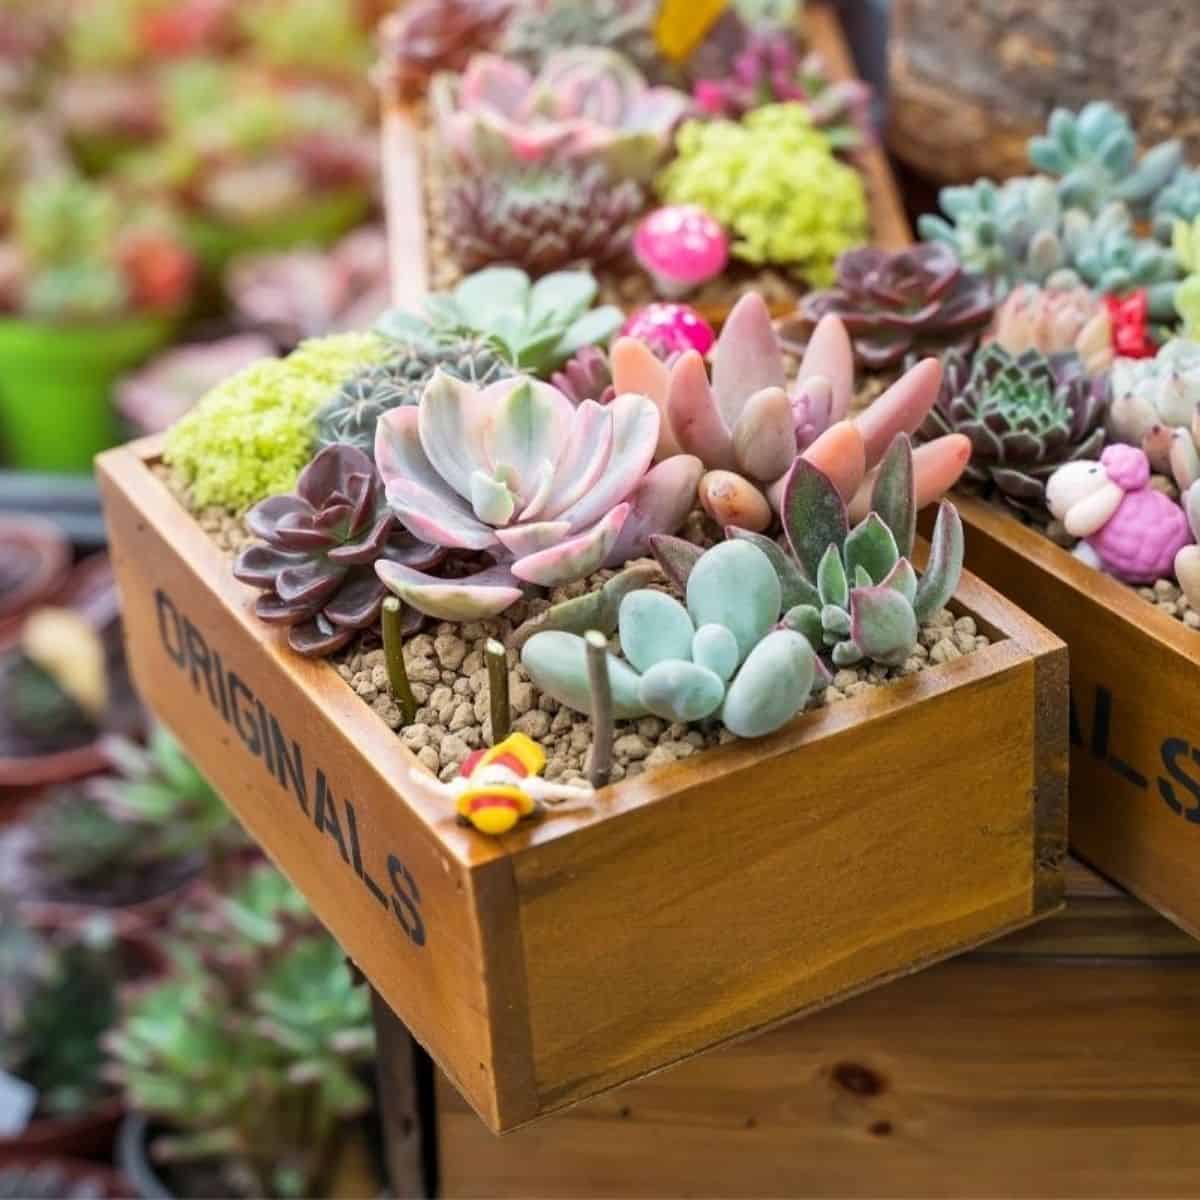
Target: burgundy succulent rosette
[(316, 561), (895, 304)]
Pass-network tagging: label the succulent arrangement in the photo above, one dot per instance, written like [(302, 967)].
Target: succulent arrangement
[(896, 304), (58, 998), (1055, 321), (584, 105), (249, 1056), (773, 181)]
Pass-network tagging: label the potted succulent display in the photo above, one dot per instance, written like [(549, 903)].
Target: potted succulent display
[(58, 998), (126, 841), (592, 605), (565, 144), (1079, 395), (242, 1068), (91, 286), (257, 163), (63, 684)]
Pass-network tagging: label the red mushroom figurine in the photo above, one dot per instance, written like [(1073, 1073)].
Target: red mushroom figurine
[(680, 247), (670, 329)]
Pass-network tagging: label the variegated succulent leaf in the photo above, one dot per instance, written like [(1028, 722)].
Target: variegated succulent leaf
[(813, 514), (943, 570), (893, 496)]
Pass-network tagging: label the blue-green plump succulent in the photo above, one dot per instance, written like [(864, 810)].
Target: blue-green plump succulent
[(723, 654), (1093, 155), (853, 593), (1178, 201)]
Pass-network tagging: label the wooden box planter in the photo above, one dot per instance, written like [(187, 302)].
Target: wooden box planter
[(1135, 713), (1062, 1061), (689, 905), (405, 198)]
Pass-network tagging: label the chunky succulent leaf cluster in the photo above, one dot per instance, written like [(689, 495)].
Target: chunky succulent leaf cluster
[(535, 327), (1055, 321), (261, 1016), (541, 218), (723, 655), (350, 415), (773, 182), (1156, 405), (153, 809), (853, 592), (585, 105), (1178, 201), (424, 37), (770, 70), (899, 303), (1185, 241), (587, 375), (1025, 416), (1093, 155), (540, 29), (58, 998), (320, 543), (550, 490)]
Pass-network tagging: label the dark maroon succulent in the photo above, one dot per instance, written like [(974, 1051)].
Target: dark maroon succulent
[(894, 304), (316, 562)]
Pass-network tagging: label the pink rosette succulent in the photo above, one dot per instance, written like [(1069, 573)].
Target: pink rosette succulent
[(680, 247), (587, 104), (551, 491), (670, 329), (1128, 528)]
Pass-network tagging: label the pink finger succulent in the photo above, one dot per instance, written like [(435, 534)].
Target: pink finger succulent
[(587, 104), (747, 423), (551, 491)]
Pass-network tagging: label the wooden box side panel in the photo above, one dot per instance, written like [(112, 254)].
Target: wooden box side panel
[(1135, 714), (978, 1078), (767, 885), (312, 775)]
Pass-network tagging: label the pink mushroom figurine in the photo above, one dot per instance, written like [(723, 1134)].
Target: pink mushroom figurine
[(670, 329), (1128, 528), (680, 247)]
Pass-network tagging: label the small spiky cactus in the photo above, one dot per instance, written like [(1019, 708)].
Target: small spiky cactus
[(541, 218)]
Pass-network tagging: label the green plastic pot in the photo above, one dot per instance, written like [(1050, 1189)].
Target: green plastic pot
[(55, 387), (315, 223)]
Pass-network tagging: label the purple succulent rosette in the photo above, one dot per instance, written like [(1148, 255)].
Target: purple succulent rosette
[(895, 304), (316, 561)]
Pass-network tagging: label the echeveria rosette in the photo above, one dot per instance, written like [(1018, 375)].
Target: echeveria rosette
[(853, 592), (1025, 415), (895, 304), (320, 544), (586, 104), (550, 490)]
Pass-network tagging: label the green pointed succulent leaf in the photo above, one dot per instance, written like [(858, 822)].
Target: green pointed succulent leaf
[(871, 546), (796, 589), (883, 625), (805, 619), (676, 556), (861, 577), (814, 515), (832, 584), (894, 495), (846, 654), (594, 328), (561, 294), (944, 568), (835, 621), (903, 579), (483, 297)]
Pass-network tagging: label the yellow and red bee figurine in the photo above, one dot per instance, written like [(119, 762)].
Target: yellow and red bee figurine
[(497, 787)]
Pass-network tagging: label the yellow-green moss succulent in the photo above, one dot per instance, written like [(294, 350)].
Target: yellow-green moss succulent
[(251, 435), (772, 180)]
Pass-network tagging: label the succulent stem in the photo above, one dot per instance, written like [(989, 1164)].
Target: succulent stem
[(600, 768), (393, 653), (497, 667)]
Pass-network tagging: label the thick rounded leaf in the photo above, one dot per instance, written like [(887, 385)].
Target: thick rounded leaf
[(676, 556), (746, 359), (764, 438), (318, 637), (636, 368), (796, 589), (681, 691), (696, 423), (829, 357), (263, 519), (900, 409), (557, 664), (731, 499), (883, 626), (576, 557), (659, 505), (654, 626), (772, 687), (475, 597), (734, 585), (259, 564), (944, 568), (814, 515), (805, 619), (871, 546), (714, 647)]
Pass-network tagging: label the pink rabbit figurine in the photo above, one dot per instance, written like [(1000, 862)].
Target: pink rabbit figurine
[(1128, 528)]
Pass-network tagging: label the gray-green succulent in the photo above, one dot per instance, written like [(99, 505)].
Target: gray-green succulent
[(723, 654), (1178, 201), (534, 327), (1093, 155)]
